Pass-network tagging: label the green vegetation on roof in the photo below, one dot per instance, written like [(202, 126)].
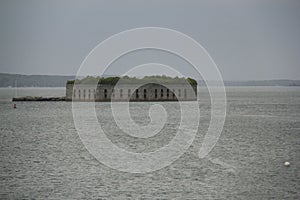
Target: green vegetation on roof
[(127, 79)]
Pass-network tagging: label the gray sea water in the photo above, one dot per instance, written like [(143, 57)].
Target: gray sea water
[(42, 155)]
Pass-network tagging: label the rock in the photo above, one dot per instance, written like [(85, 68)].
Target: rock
[(31, 98)]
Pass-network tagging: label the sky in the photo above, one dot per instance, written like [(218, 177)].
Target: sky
[(248, 40)]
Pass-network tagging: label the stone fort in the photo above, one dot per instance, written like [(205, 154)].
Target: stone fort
[(154, 88)]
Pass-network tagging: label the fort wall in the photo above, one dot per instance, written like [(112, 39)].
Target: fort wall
[(132, 92)]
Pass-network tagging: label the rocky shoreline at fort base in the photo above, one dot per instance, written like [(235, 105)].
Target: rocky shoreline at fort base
[(32, 98)]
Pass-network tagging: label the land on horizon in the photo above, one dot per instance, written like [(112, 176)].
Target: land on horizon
[(19, 80)]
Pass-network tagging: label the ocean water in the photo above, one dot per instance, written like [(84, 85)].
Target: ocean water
[(42, 155)]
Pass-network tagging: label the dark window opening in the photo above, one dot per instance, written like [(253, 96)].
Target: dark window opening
[(145, 93), (121, 93), (168, 93), (155, 93), (161, 92), (137, 94), (105, 93)]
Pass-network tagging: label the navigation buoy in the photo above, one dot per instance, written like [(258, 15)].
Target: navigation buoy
[(15, 105), (287, 164)]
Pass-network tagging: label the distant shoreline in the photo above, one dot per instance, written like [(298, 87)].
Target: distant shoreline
[(57, 81), (199, 86)]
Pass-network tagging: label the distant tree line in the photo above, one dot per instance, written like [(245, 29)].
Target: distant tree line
[(18, 80), (12, 80), (126, 79)]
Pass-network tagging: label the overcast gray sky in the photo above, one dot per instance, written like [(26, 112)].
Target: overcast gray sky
[(248, 40)]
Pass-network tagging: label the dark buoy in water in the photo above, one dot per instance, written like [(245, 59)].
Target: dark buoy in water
[(15, 106)]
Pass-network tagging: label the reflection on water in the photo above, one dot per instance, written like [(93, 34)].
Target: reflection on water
[(42, 155)]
